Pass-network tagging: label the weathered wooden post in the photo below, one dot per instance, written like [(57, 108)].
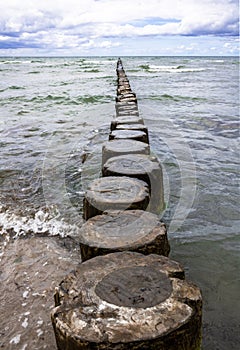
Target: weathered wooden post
[(122, 89), (144, 168), (127, 301), (128, 230), (115, 193), (126, 107), (133, 126), (127, 97), (127, 113), (120, 147), (126, 119), (129, 135)]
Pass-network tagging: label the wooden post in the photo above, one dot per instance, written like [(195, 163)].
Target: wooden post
[(128, 134), (126, 98), (123, 81), (115, 193), (141, 127), (127, 301), (126, 107), (126, 103), (127, 119), (143, 167), (120, 147), (125, 113), (129, 230), (123, 89), (126, 95)]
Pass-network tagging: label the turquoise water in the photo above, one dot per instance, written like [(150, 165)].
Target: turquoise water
[(56, 111)]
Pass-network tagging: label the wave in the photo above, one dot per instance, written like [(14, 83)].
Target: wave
[(175, 98), (14, 61), (99, 62), (22, 112), (91, 70), (144, 66), (219, 61), (44, 221), (95, 99), (93, 62), (151, 68), (64, 100), (58, 100), (53, 63), (134, 70), (37, 61), (107, 77), (13, 87), (81, 64)]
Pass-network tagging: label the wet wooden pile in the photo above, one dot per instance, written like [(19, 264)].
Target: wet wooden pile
[(127, 293)]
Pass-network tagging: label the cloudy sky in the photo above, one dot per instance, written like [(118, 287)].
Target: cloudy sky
[(119, 27)]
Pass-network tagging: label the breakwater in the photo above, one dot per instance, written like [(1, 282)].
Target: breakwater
[(127, 294)]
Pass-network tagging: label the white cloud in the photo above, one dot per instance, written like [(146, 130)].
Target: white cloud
[(87, 23), (102, 44)]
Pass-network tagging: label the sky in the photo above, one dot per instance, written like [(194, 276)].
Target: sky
[(119, 27)]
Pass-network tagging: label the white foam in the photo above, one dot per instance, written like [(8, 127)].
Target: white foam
[(42, 222), (25, 294), (40, 322), (16, 339), (39, 332), (162, 68), (25, 323), (173, 69)]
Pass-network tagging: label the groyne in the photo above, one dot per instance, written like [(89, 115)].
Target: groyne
[(127, 293)]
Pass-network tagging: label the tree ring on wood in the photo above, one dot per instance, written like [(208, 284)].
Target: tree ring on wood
[(114, 148), (138, 286), (126, 119), (141, 127), (128, 230), (88, 318), (138, 135), (115, 193), (143, 167)]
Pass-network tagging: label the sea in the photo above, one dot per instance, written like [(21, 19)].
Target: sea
[(55, 114)]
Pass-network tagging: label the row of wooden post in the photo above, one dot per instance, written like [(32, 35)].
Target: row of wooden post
[(127, 293)]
